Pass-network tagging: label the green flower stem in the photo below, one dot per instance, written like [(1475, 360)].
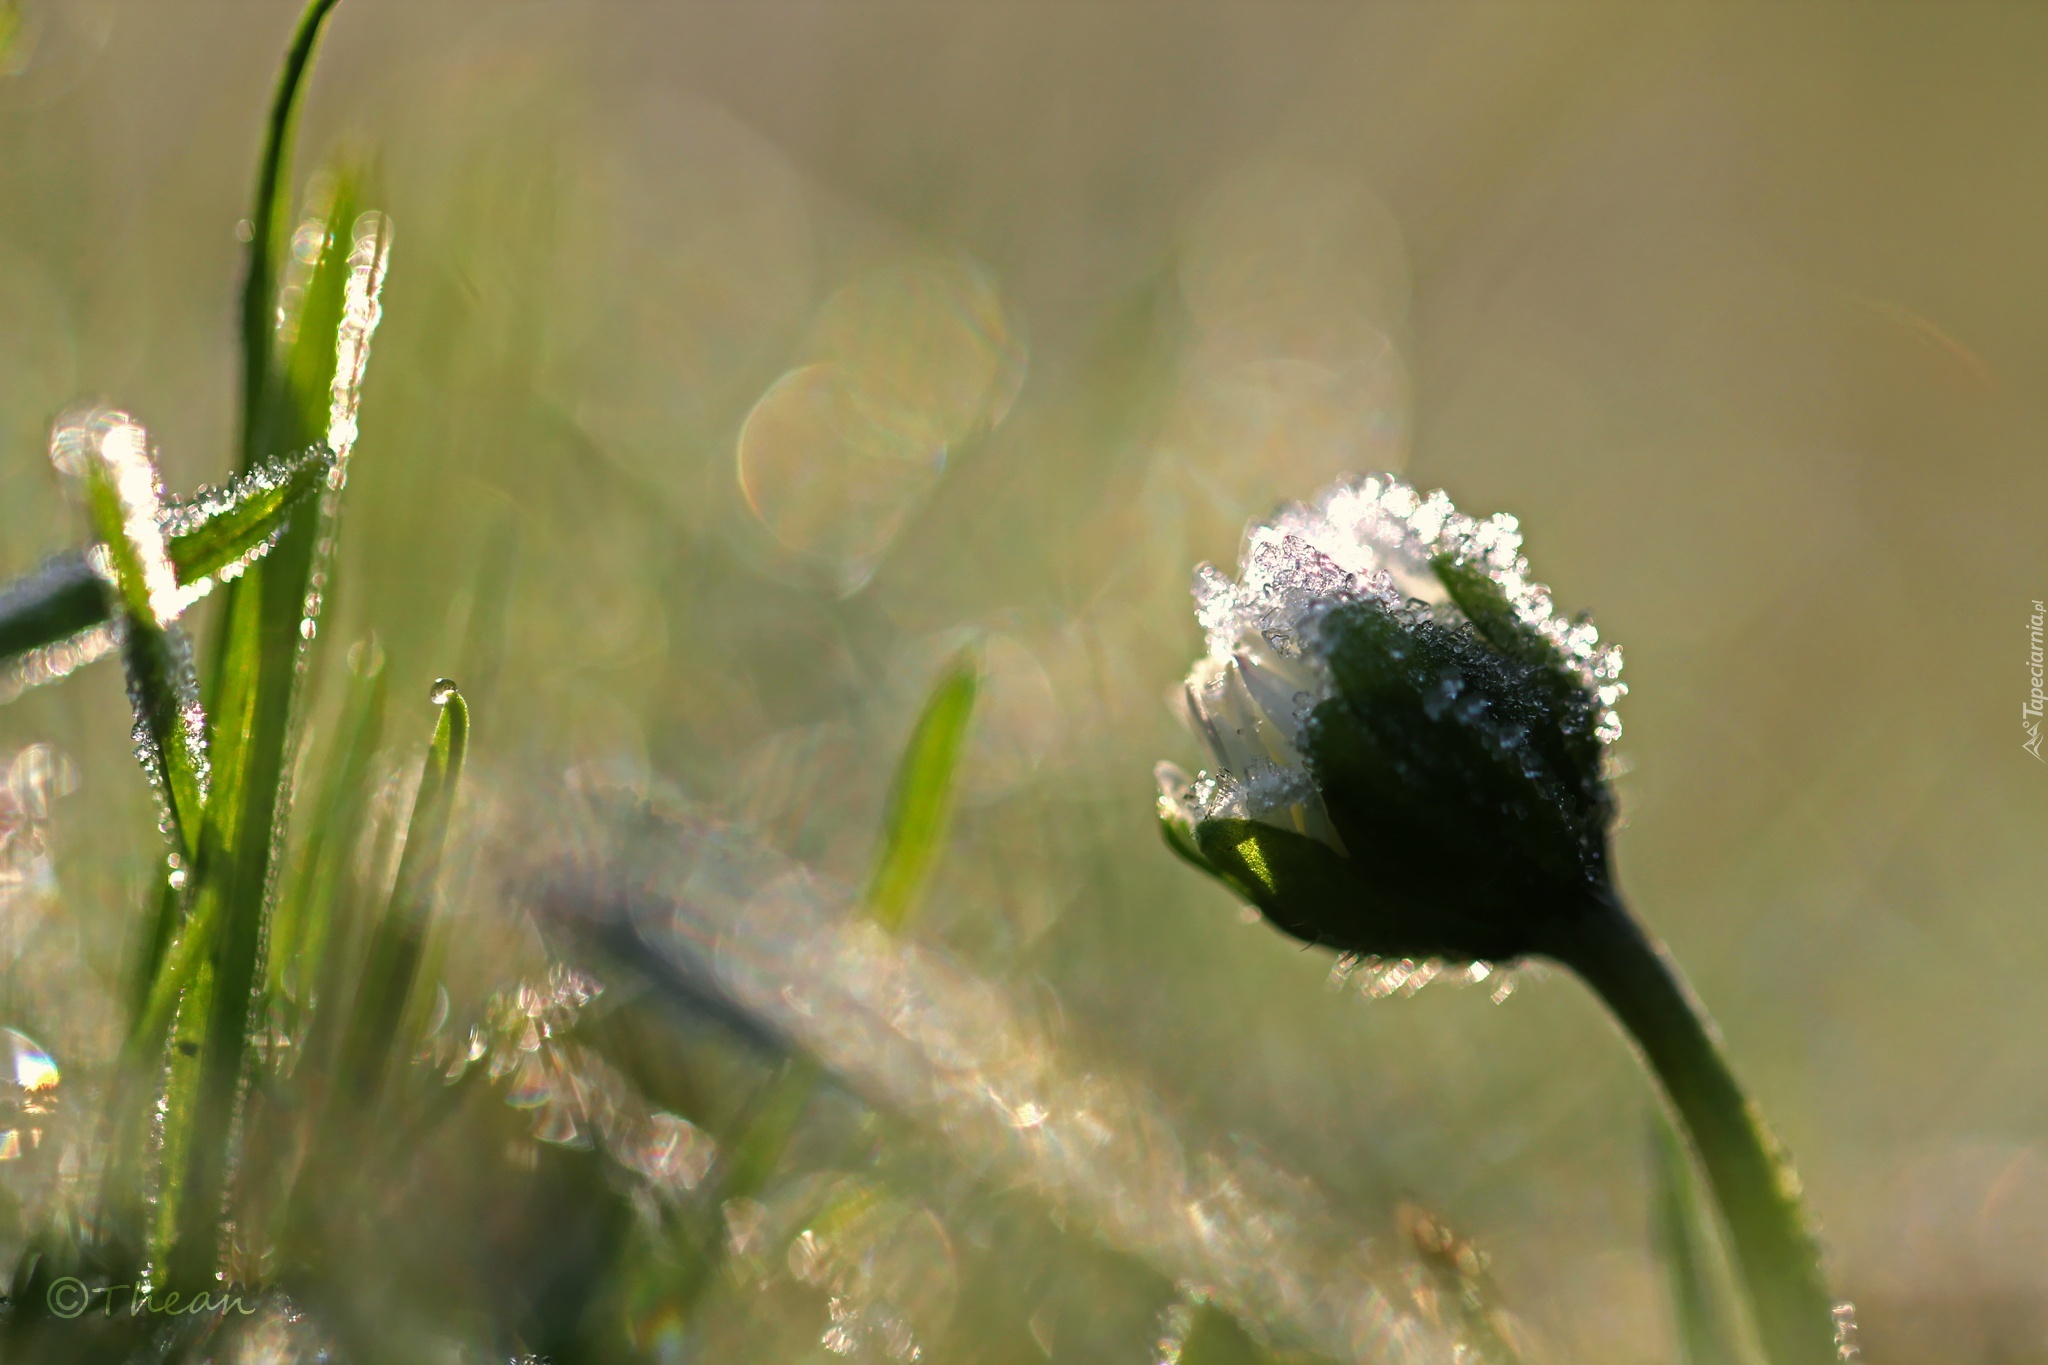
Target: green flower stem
[(1752, 1179)]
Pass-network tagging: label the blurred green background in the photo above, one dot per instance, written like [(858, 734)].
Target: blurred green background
[(738, 360)]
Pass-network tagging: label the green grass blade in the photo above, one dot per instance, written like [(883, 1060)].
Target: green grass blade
[(391, 965), (921, 797), (268, 216), (186, 1060), (912, 838), (1703, 1309), (270, 618), (170, 730), (219, 530)]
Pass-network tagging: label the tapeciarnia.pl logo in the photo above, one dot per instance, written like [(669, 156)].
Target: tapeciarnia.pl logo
[(2030, 714)]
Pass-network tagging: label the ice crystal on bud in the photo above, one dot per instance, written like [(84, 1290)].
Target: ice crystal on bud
[(1368, 539)]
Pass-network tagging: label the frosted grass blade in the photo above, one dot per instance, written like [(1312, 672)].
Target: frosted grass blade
[(107, 454), (268, 214), (215, 533), (921, 797), (221, 532), (269, 621)]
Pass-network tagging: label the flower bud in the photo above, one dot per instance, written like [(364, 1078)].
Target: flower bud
[(1408, 745)]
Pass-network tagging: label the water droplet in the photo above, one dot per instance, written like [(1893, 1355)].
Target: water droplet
[(443, 689), (1846, 1345)]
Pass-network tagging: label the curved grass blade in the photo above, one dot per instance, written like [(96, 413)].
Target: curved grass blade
[(921, 797), (391, 966), (268, 214)]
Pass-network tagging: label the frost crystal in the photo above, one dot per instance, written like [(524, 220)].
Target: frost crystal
[(1366, 539)]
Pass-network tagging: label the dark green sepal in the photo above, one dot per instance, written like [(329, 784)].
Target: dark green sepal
[(1485, 604), (1567, 706), (1302, 885)]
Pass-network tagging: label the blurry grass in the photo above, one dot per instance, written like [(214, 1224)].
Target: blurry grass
[(202, 987), (381, 1032), (1706, 1315), (281, 1176), (539, 598), (916, 819)]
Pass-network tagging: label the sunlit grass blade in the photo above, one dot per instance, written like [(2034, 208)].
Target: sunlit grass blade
[(269, 214), (1704, 1312), (270, 618), (921, 797), (398, 944), (217, 531), (107, 454)]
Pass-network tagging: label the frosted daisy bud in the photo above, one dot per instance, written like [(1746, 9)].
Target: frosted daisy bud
[(1407, 745), (1408, 753)]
